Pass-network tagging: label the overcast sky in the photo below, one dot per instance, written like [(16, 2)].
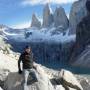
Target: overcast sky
[(17, 13)]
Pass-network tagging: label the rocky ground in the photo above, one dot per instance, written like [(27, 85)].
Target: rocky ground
[(48, 78)]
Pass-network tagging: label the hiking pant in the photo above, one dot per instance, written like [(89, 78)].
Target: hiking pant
[(26, 73)]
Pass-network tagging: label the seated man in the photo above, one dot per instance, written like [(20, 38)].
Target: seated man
[(28, 68)]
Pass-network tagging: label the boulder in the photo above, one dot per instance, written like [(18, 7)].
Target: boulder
[(45, 81), (35, 22), (69, 80), (47, 16), (60, 18), (84, 81), (3, 75), (77, 13), (14, 82), (85, 84)]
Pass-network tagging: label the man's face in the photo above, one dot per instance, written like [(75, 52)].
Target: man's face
[(28, 50)]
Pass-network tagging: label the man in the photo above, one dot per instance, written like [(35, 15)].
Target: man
[(28, 68)]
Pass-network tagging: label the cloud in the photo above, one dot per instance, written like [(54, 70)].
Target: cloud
[(21, 25), (36, 2)]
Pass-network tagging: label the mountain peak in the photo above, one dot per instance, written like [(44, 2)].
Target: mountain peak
[(47, 16), (60, 18), (35, 22)]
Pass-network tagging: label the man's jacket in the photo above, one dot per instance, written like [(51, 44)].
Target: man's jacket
[(27, 60)]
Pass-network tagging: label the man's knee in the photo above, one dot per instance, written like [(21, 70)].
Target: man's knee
[(33, 74), (25, 76)]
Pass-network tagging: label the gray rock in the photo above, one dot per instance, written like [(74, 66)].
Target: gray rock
[(47, 16), (85, 84), (70, 80), (60, 18), (83, 60), (82, 39), (3, 75), (84, 81), (35, 22), (78, 11), (4, 46), (14, 81)]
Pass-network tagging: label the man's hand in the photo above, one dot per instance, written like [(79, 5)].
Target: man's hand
[(20, 71)]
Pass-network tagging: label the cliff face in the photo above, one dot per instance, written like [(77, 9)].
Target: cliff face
[(53, 54), (49, 54), (47, 16), (60, 18), (80, 52), (83, 32), (83, 59), (35, 22), (77, 13), (82, 42)]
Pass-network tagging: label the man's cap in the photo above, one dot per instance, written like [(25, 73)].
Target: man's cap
[(88, 5), (27, 47)]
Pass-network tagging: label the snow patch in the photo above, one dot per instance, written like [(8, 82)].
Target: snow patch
[(39, 35)]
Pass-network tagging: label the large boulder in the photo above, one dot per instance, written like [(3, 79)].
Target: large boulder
[(47, 16), (84, 81), (78, 11), (35, 22), (45, 81), (70, 80), (14, 82), (60, 18)]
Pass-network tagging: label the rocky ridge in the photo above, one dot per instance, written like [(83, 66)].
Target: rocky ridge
[(56, 19)]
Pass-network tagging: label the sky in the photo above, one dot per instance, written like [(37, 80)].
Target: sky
[(18, 13)]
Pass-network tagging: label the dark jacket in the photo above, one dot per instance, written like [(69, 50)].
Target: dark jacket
[(27, 60)]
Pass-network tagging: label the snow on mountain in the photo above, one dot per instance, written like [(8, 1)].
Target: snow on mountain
[(35, 35)]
